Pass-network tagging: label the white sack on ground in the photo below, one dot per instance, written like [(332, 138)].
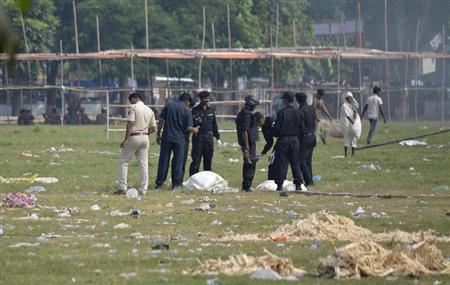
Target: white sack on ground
[(269, 185), (206, 180)]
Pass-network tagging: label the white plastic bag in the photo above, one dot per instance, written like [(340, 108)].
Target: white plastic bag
[(206, 180), (269, 185)]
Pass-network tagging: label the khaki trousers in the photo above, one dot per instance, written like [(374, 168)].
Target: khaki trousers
[(137, 145)]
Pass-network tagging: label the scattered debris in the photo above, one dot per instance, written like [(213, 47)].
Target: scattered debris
[(122, 226), (412, 143), (270, 274), (369, 167), (95, 208), (233, 160), (135, 212), (204, 207), (244, 264), (161, 246), (132, 193), (367, 258), (269, 185), (317, 178), (118, 213), (60, 148), (20, 200), (359, 212), (46, 180), (188, 202), (128, 276), (26, 154), (380, 215), (291, 214), (23, 244), (442, 187), (216, 222), (35, 189)]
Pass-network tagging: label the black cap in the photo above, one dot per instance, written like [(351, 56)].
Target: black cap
[(288, 96), (134, 95), (203, 94), (300, 96), (376, 90), (185, 97), (251, 101)]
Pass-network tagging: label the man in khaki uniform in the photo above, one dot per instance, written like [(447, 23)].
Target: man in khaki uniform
[(140, 123), (322, 125)]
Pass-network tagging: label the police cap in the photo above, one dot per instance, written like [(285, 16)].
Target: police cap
[(251, 101)]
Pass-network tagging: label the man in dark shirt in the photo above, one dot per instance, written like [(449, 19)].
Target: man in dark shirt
[(247, 133), (187, 140), (308, 139), (287, 128), (265, 123), (204, 117), (176, 119)]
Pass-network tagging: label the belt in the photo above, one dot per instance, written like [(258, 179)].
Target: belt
[(138, 134), (309, 134)]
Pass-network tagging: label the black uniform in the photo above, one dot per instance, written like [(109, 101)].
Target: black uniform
[(245, 121), (287, 128), (307, 142), (202, 142), (186, 152), (268, 134)]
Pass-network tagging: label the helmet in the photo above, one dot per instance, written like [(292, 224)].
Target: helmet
[(251, 101)]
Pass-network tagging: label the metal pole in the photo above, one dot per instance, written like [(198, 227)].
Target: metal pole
[(203, 47), (75, 26), (387, 60), (62, 83), (338, 82), (293, 33), (276, 32), (132, 68), (7, 93), (107, 114), (358, 30), (406, 86), (443, 74), (98, 49)]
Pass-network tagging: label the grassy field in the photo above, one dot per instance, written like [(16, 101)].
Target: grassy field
[(89, 249)]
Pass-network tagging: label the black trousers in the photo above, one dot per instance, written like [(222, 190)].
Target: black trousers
[(186, 152), (248, 169), (202, 147), (177, 162), (306, 153), (287, 152)]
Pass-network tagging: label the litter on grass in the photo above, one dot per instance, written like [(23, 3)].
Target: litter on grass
[(269, 185), (243, 264), (325, 226), (20, 200), (412, 143), (35, 189), (367, 258), (31, 179)]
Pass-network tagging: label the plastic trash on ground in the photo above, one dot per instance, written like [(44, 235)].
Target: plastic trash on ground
[(35, 189), (46, 180), (206, 181), (132, 193), (412, 143), (20, 200), (269, 185), (336, 130)]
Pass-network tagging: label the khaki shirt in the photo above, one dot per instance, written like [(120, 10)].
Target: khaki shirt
[(142, 117), (320, 107)]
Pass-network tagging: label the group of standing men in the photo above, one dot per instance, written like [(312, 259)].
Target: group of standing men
[(177, 121), (294, 127)]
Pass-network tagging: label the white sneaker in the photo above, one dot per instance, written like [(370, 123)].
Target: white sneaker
[(143, 192), (303, 188)]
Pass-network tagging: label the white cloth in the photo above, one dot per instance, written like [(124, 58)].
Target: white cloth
[(373, 105), (350, 139), (137, 145), (141, 116)]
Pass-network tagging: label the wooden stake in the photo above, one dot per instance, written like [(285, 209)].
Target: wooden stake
[(75, 26), (443, 75), (28, 62), (387, 60), (7, 92), (276, 32), (61, 70), (149, 81), (214, 46), (406, 85), (358, 26), (229, 44), (203, 47), (417, 69)]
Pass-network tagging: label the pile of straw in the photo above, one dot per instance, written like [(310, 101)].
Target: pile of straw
[(244, 264), (367, 258)]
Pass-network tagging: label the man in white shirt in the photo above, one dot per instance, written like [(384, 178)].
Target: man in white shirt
[(140, 123), (373, 106)]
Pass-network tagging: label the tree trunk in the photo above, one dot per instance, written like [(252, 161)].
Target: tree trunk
[(51, 80)]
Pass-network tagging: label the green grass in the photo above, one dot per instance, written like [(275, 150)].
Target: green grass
[(88, 177)]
